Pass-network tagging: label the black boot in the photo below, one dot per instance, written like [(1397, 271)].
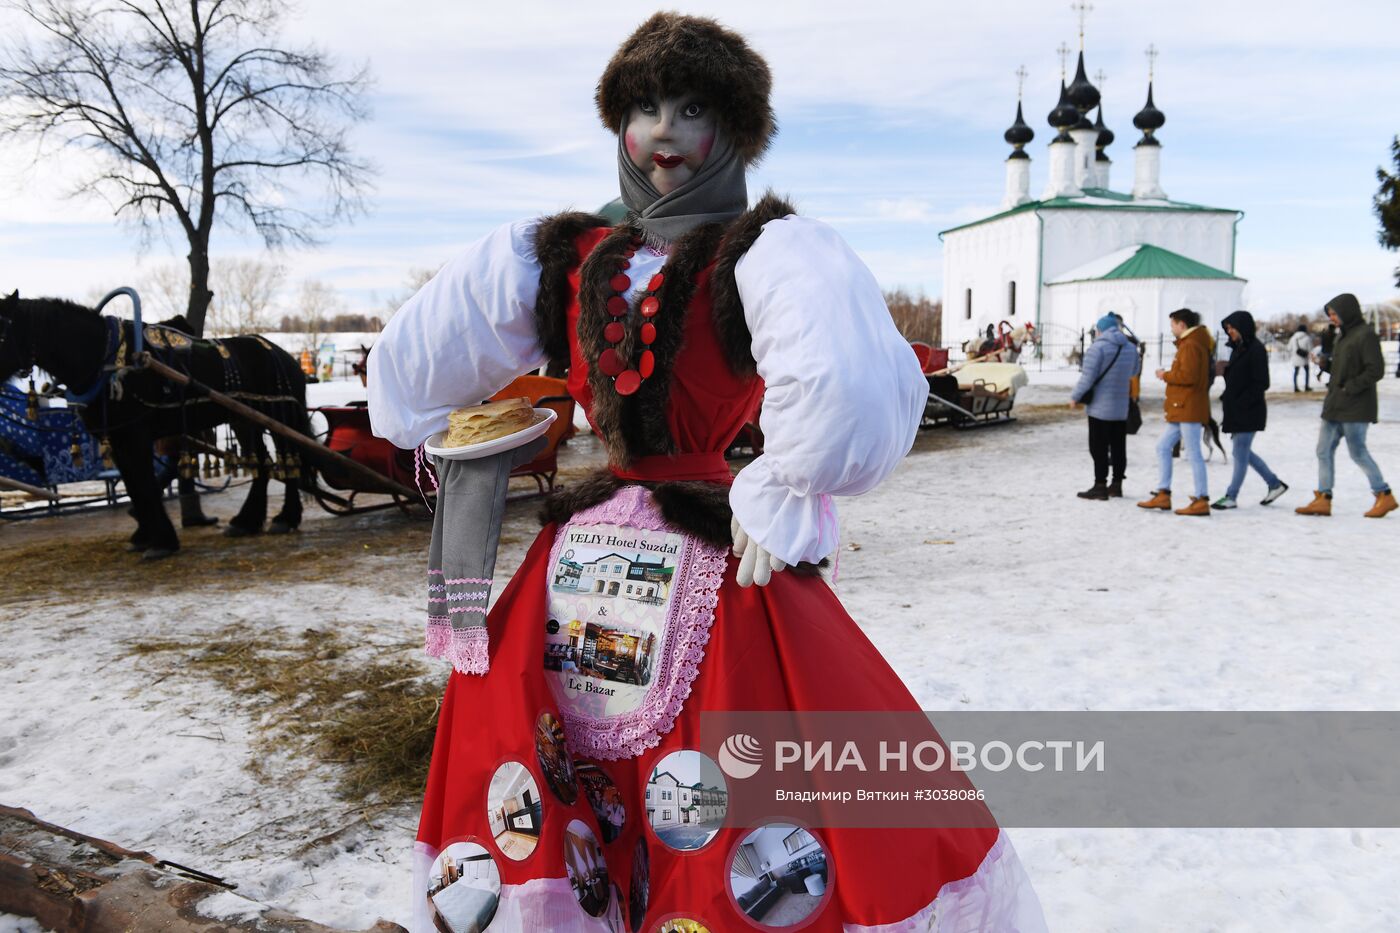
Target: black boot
[(1115, 489), (191, 514), (1097, 491)]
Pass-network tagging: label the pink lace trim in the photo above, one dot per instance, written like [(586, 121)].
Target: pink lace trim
[(700, 571), (458, 597), (465, 648)]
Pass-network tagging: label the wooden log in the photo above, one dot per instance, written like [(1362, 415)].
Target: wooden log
[(316, 449), (72, 883)]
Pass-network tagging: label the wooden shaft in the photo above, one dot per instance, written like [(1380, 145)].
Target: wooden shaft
[(25, 487), (943, 401), (313, 447), (204, 448)]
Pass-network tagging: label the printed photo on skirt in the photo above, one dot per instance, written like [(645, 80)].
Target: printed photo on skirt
[(587, 871), (630, 604), (608, 610), (464, 888)]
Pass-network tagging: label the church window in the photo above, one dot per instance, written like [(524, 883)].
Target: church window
[(1011, 299), (969, 304)]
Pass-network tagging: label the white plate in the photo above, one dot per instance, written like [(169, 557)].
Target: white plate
[(495, 445)]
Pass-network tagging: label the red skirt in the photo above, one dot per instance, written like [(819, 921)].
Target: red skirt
[(521, 832)]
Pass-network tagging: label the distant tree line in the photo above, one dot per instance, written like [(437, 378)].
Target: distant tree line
[(335, 324), (917, 316), (1384, 317)]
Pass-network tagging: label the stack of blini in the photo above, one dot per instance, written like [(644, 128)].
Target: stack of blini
[(480, 423)]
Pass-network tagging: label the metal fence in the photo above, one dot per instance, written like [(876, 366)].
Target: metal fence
[(1161, 350)]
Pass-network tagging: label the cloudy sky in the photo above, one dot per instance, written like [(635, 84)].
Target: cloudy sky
[(891, 119)]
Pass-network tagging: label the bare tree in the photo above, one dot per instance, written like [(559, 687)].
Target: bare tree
[(243, 292), (317, 303), (196, 113), (165, 291), (418, 276), (916, 316), (243, 288)]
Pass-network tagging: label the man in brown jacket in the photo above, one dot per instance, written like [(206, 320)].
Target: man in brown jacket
[(1188, 410)]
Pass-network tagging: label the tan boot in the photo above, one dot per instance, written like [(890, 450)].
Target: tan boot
[(1321, 505), (1385, 502), (1200, 505), (1161, 499)]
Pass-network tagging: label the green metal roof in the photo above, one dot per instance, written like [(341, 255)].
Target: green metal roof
[(1120, 202), (613, 211), (1153, 262)]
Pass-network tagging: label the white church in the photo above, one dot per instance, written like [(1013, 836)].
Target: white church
[(1082, 249)]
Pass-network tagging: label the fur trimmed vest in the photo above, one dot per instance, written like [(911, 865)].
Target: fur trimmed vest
[(636, 426)]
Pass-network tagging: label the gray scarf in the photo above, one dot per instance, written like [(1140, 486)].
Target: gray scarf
[(716, 193)]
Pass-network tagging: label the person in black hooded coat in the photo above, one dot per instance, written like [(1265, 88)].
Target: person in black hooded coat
[(1246, 412)]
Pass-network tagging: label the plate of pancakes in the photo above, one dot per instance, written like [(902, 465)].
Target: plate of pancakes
[(483, 430)]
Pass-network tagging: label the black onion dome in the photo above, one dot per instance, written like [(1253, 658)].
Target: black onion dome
[(1105, 136), (1064, 116), (1149, 119), (1082, 94), (1019, 134)]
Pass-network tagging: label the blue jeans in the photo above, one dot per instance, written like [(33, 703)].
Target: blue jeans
[(1189, 433), (1245, 457), (1355, 433)]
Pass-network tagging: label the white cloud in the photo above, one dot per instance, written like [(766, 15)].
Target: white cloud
[(485, 112), (1305, 277)]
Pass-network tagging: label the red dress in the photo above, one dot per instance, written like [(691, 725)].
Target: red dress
[(595, 852)]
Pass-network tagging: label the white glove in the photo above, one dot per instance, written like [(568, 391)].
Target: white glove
[(756, 565)]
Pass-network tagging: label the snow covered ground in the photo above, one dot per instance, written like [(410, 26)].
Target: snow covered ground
[(979, 574)]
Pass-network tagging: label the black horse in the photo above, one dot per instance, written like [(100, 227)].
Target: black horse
[(132, 408)]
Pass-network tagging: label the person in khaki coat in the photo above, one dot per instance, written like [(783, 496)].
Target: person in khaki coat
[(1351, 407), (1187, 410)]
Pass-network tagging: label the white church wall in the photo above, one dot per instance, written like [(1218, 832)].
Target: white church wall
[(986, 259), (1144, 303), (1077, 236), (1212, 299), (1075, 306)]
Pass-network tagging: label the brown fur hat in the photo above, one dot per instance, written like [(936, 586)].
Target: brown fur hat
[(671, 54)]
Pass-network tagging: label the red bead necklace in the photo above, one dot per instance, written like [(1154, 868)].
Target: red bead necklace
[(626, 379)]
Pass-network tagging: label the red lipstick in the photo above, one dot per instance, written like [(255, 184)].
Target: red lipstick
[(670, 161)]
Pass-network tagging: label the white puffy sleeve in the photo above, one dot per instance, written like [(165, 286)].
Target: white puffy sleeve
[(843, 394), (463, 337)]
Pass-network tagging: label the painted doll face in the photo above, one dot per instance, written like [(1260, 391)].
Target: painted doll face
[(669, 139)]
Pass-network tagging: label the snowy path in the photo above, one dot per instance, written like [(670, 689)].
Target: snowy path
[(1044, 601), (1040, 601)]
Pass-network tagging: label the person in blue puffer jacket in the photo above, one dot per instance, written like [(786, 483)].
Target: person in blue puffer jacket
[(1110, 363)]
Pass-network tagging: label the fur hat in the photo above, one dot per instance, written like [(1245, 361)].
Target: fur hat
[(671, 54)]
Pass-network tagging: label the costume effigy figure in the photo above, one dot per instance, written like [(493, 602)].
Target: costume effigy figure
[(636, 608)]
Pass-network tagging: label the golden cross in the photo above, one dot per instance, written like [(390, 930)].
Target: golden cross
[(1021, 74), (1083, 8), (1100, 79), (1063, 52), (1151, 54)]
